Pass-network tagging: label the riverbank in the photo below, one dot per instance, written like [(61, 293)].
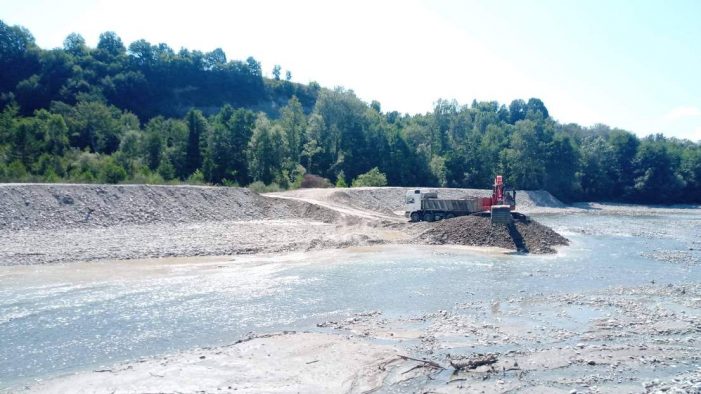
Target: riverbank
[(617, 339)]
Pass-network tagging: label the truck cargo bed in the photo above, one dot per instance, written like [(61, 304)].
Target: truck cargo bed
[(462, 205)]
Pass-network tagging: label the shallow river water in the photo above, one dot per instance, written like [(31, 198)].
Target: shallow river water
[(62, 318)]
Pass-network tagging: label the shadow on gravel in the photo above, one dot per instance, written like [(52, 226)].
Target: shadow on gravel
[(516, 236)]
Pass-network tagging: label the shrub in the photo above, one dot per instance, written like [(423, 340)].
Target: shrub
[(260, 187), (112, 172), (228, 183), (146, 177), (16, 171), (311, 181), (341, 180), (371, 178), (197, 178)]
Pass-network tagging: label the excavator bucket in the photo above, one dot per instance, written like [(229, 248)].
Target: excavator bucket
[(501, 214)]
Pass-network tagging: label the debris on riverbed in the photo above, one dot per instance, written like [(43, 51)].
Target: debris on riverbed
[(463, 364), (523, 235)]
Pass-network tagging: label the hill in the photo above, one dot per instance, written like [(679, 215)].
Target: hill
[(144, 113)]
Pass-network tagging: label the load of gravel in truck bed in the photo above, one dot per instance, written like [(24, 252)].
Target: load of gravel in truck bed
[(522, 235)]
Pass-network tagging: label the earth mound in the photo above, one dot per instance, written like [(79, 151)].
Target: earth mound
[(58, 206), (522, 235)]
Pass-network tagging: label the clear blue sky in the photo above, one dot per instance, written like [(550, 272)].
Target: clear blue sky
[(629, 64)]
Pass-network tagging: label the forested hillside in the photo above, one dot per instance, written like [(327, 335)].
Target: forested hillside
[(146, 113)]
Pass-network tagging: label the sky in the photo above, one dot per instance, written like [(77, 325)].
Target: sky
[(633, 64)]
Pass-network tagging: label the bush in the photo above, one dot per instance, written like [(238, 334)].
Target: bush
[(112, 172), (147, 178), (166, 169), (16, 171), (341, 180), (371, 178), (229, 183), (260, 187), (311, 181), (197, 178)]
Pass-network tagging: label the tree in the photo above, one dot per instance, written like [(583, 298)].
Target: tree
[(595, 175), (18, 56), (517, 111), (294, 123), (109, 47), (624, 146), (371, 178), (75, 45), (112, 172), (525, 159), (154, 150), (657, 179), (266, 150), (276, 72), (197, 133), (535, 110), (94, 125)]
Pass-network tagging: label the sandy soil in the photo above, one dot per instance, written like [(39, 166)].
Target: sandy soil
[(284, 362)]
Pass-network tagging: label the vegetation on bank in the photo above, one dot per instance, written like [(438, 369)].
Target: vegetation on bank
[(148, 114)]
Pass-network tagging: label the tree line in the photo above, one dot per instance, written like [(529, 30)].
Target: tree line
[(147, 114)]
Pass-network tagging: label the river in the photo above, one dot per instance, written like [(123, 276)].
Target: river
[(57, 319)]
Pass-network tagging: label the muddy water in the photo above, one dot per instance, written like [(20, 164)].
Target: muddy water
[(62, 318)]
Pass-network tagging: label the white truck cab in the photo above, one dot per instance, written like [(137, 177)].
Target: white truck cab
[(413, 199)]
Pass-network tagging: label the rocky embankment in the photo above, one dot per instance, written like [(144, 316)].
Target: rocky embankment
[(48, 223), (60, 206)]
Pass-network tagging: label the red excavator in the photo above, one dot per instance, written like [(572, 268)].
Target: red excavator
[(424, 205), (502, 202)]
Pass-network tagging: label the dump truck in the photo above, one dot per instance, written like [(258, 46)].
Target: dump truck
[(424, 205)]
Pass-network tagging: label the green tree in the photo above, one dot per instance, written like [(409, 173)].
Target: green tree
[(371, 178), (94, 125), (294, 123), (227, 145), (112, 172), (75, 45), (266, 150), (197, 134), (657, 180)]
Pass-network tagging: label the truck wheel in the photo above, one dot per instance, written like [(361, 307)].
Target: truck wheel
[(415, 217), (449, 216), (429, 217)]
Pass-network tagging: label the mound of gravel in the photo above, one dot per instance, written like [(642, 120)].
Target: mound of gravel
[(523, 235), (390, 199), (56, 206)]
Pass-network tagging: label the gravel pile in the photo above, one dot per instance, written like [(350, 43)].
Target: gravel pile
[(523, 235), (49, 223), (391, 199), (52, 207)]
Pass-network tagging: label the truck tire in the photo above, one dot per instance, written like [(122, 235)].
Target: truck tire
[(415, 217), (449, 216), (429, 217)]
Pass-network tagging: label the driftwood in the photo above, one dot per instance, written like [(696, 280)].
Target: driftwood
[(473, 362), (427, 362)]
